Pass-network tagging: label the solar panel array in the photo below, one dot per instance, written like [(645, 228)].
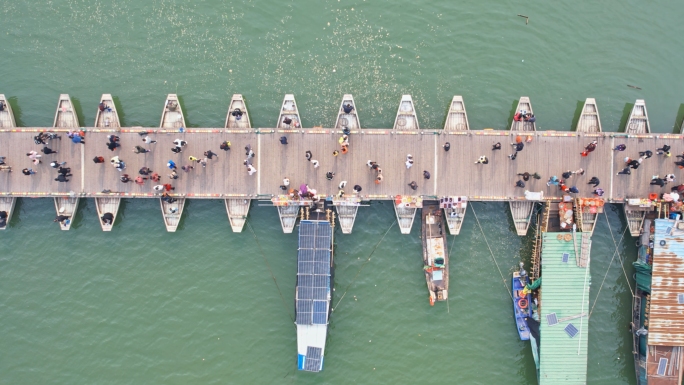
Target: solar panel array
[(313, 359), (571, 330), (313, 273), (551, 319)]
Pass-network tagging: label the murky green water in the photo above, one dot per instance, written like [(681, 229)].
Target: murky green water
[(139, 305)]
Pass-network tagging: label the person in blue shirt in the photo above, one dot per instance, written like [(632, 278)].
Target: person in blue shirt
[(171, 164)]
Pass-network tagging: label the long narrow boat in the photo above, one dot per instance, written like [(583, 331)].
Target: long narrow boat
[(106, 205), (172, 114), (521, 304), (638, 119), (522, 210), (7, 205), (589, 121), (237, 209), (658, 343), (349, 120), (66, 206), (289, 111), (406, 118), (172, 213), (109, 117), (313, 293), (6, 115), (524, 106), (232, 121), (435, 253), (457, 118), (65, 116)]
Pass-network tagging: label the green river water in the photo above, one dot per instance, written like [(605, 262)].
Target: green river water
[(142, 306)]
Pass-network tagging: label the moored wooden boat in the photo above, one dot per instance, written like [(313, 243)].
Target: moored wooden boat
[(7, 205), (638, 119), (66, 206), (232, 121), (524, 106), (172, 213), (288, 217), (237, 209), (454, 212), (435, 252), (589, 120), (405, 207), (406, 118), (107, 205), (586, 213), (457, 118), (522, 215), (347, 120), (65, 116), (289, 111), (6, 115), (172, 114), (346, 213), (109, 117), (522, 304)]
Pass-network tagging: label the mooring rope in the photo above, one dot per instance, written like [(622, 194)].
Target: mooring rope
[(362, 266), (621, 259), (270, 271), (503, 280), (609, 265)]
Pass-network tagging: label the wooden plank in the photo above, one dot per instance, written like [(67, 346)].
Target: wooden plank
[(406, 118), (237, 209), (348, 120), (107, 204)]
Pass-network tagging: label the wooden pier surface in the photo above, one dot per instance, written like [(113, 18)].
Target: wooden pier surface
[(452, 173)]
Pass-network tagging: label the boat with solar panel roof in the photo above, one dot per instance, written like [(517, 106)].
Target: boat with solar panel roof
[(658, 303), (435, 255), (314, 285)]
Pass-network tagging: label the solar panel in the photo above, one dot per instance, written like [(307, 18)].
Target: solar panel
[(304, 312), (320, 312), (680, 299), (571, 330), (305, 267), (662, 366), (565, 257), (551, 319), (313, 272), (312, 361)]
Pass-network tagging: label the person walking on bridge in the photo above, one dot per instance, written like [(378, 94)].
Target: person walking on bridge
[(589, 148), (308, 155), (620, 147), (496, 146), (595, 181), (646, 154), (525, 176), (665, 150), (482, 160), (413, 185)]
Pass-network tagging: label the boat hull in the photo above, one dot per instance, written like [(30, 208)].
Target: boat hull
[(521, 310)]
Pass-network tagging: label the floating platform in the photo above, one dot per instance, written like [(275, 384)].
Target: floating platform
[(406, 118), (348, 120), (107, 119), (231, 121), (638, 119), (289, 110), (6, 115), (589, 121), (524, 104), (457, 118), (237, 209)]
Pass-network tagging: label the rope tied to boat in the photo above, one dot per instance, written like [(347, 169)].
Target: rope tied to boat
[(270, 271), (364, 265), (610, 264), (503, 280)]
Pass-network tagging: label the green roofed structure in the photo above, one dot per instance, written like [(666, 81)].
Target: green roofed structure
[(563, 309)]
